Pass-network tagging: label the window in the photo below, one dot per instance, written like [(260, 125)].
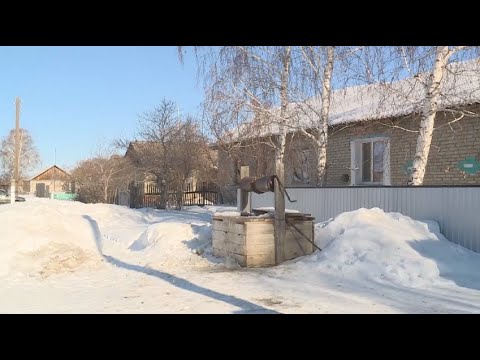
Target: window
[(370, 161), (301, 166)]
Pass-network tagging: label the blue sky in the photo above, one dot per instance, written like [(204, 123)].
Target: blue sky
[(75, 97)]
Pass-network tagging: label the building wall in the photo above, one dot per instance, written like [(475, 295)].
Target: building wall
[(54, 180), (451, 144), (52, 173), (53, 186)]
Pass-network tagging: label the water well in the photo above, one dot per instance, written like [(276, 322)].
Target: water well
[(250, 237)]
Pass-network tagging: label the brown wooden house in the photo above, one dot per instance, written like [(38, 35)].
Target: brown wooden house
[(50, 180)]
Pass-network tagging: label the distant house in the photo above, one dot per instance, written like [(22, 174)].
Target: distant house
[(23, 186), (372, 140), (144, 190), (50, 180), (137, 151)]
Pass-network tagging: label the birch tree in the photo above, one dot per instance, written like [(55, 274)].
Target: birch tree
[(319, 72), (430, 107), (422, 81)]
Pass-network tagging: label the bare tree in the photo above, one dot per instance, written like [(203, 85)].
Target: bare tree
[(172, 148), (190, 157), (28, 154), (265, 95), (98, 178)]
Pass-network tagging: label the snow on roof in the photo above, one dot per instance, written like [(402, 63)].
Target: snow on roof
[(461, 86), (379, 101)]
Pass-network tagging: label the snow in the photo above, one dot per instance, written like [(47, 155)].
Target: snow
[(389, 247), (228, 213), (367, 102), (67, 257), (27, 245)]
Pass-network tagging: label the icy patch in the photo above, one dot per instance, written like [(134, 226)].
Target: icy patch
[(55, 258)]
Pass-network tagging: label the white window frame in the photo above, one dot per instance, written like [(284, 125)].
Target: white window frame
[(356, 163)]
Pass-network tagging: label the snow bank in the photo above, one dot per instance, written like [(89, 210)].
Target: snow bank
[(372, 244), (38, 239), (41, 236)]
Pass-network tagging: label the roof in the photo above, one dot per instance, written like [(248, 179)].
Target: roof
[(45, 170), (380, 101), (139, 146)]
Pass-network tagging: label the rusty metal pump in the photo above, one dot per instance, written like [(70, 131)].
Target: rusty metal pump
[(259, 186)]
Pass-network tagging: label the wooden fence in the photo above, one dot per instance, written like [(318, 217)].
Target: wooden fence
[(149, 195)]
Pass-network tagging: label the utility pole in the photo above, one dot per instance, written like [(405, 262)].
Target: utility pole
[(55, 170), (17, 143)]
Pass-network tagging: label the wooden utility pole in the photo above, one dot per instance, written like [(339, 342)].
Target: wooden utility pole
[(55, 170), (17, 143)]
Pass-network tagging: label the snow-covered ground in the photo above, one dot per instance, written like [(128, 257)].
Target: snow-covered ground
[(68, 257)]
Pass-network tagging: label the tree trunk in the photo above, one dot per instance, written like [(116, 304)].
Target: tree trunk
[(280, 225), (323, 135), (321, 164), (179, 199), (427, 119), (163, 194), (105, 194)]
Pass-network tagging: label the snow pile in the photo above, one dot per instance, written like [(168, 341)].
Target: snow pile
[(388, 247), (39, 240), (173, 244), (176, 239), (42, 237)]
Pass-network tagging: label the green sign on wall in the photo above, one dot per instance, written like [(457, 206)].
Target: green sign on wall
[(470, 165)]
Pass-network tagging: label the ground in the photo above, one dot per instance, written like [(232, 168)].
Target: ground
[(67, 257)]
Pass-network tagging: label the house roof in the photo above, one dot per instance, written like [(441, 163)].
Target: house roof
[(380, 101), (45, 170), (138, 146)]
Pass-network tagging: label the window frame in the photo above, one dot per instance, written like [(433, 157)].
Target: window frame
[(357, 161)]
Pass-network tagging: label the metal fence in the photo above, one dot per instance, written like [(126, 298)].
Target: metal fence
[(456, 209)]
